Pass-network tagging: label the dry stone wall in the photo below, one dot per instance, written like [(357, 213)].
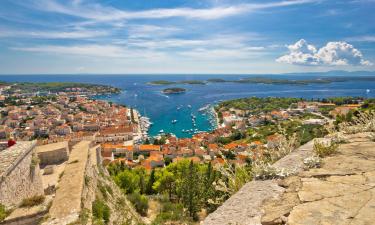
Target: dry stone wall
[(20, 179)]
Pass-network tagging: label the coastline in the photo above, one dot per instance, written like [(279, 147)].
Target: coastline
[(218, 125), (143, 125)]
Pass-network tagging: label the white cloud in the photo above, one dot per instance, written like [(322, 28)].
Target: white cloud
[(102, 51), (54, 34), (223, 53), (365, 38), (100, 13), (151, 31), (332, 54), (214, 41), (209, 48)]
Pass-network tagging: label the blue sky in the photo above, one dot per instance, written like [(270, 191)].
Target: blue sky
[(176, 36)]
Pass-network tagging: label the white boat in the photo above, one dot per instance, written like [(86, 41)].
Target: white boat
[(204, 108), (189, 106), (161, 131), (174, 121)]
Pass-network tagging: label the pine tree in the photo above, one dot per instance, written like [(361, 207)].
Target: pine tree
[(150, 183), (141, 184), (191, 193), (208, 182)]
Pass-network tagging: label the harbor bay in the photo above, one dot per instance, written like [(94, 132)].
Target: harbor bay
[(187, 113)]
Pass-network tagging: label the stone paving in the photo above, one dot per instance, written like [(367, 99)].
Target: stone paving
[(67, 204)]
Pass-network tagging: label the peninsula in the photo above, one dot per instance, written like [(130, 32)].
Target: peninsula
[(56, 87)]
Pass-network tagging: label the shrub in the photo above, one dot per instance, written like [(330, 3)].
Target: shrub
[(34, 162), (170, 212), (33, 201), (361, 122), (265, 171), (87, 180), (232, 178), (140, 202), (101, 211), (322, 149), (109, 189), (312, 162), (103, 191), (3, 212), (84, 216)]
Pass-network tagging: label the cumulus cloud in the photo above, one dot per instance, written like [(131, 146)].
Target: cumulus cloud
[(332, 54)]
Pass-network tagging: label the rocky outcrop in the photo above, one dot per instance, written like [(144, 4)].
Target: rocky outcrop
[(245, 207), (342, 191)]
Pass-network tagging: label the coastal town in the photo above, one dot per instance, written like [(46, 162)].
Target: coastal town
[(67, 131), (73, 116)]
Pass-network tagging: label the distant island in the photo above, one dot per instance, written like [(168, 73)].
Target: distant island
[(267, 80), (166, 82), (216, 80), (174, 90), (161, 82)]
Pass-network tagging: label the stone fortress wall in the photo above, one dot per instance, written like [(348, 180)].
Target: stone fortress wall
[(53, 153), (19, 177)]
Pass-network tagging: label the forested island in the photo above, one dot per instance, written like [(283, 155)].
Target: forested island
[(174, 90), (56, 87)]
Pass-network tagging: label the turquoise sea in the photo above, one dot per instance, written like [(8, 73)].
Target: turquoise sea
[(162, 109)]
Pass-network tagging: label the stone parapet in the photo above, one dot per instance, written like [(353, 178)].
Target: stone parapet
[(19, 176)]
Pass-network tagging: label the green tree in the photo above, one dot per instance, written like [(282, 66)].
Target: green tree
[(142, 187), (128, 181), (209, 189), (165, 182), (101, 211), (191, 191), (150, 183), (140, 202), (167, 161)]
